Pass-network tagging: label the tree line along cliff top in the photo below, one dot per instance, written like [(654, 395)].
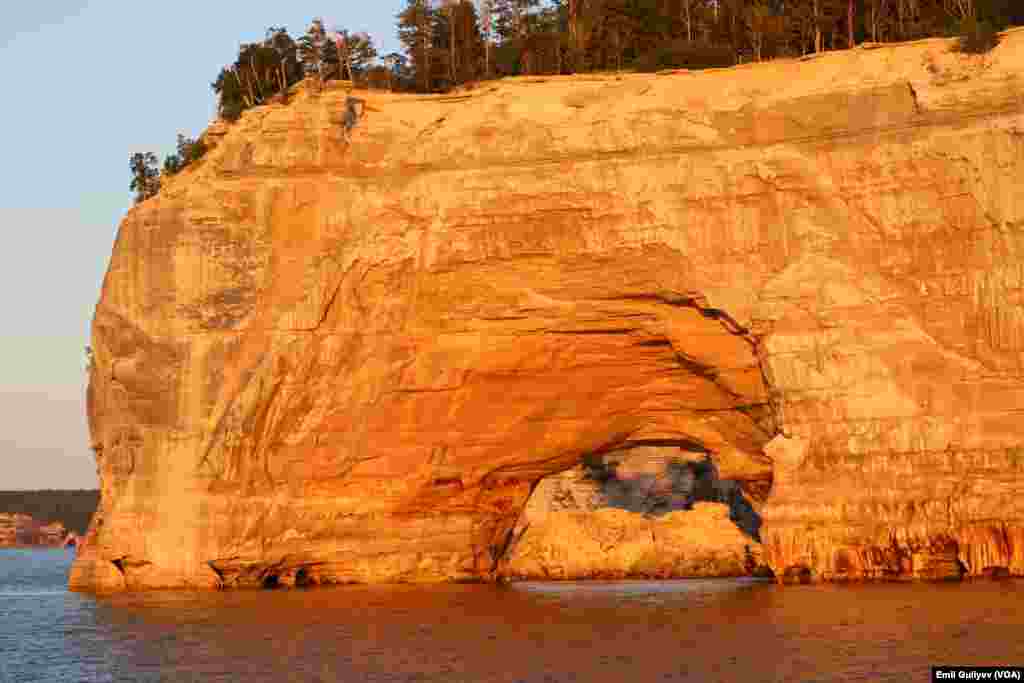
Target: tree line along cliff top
[(452, 43)]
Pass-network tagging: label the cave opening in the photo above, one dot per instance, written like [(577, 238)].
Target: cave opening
[(698, 522), (271, 582), (672, 400), (655, 481)]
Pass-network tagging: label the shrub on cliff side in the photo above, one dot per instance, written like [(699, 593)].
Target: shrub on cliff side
[(189, 150), (977, 37), (145, 176)]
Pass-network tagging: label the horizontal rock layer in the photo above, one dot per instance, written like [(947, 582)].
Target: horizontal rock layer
[(332, 354)]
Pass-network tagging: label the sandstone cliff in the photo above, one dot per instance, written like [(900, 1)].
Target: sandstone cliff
[(614, 544), (334, 353), (637, 513)]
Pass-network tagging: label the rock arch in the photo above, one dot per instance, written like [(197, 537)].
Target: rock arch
[(357, 351)]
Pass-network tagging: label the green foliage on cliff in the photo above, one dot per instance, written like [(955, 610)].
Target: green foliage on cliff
[(445, 45), (452, 42), (358, 55), (72, 508), (458, 42), (330, 60), (310, 50), (189, 150), (260, 72), (145, 175), (977, 36)]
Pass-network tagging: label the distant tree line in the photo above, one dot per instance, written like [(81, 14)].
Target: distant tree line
[(72, 508)]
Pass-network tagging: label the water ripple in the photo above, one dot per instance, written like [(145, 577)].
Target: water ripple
[(707, 630)]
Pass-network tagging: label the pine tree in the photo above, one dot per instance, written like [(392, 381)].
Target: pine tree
[(188, 151), (415, 32), (261, 71), (486, 22), (145, 176), (394, 62), (450, 8), (172, 165), (231, 101), (514, 24), (469, 43), (289, 67), (310, 50), (756, 17), (513, 18), (359, 53), (331, 63)]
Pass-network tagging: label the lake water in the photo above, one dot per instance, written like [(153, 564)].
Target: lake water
[(633, 632)]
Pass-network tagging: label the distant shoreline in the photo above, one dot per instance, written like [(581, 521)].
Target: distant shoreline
[(72, 508)]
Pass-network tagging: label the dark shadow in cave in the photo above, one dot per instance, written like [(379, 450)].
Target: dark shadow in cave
[(669, 484)]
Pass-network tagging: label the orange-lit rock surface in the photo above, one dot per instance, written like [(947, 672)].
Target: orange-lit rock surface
[(610, 543), (329, 355), (638, 513)]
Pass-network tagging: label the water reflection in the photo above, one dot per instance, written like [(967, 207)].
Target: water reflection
[(705, 630)]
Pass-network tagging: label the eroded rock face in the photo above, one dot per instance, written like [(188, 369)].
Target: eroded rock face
[(346, 353), (645, 512), (611, 543)]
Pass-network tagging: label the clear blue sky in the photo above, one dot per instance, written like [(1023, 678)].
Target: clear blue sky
[(86, 84)]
